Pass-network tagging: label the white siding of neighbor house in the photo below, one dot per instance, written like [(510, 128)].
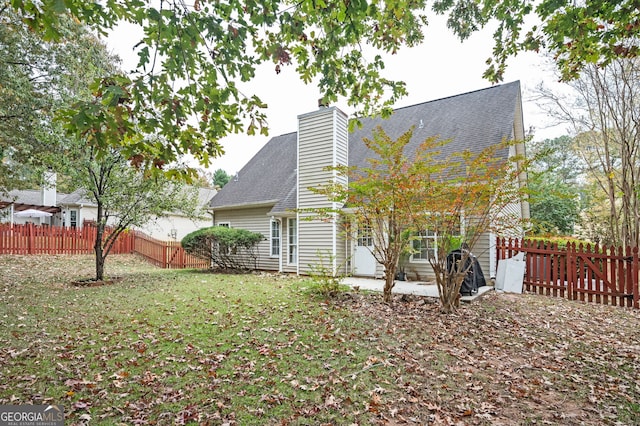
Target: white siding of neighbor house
[(322, 142), (161, 228), (254, 220)]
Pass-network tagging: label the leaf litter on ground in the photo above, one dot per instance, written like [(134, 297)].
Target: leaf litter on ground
[(180, 347)]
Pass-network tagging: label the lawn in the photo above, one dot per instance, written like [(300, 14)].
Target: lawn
[(177, 347)]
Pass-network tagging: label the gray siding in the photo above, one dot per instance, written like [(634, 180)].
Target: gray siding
[(254, 220), (342, 249), (322, 142), (482, 250)]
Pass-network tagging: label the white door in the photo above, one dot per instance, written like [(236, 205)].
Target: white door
[(363, 261)]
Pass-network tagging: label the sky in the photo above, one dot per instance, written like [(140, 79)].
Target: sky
[(440, 67)]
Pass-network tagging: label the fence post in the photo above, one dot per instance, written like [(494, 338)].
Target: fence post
[(30, 239), (570, 272)]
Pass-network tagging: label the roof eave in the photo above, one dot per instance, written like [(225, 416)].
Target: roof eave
[(244, 205)]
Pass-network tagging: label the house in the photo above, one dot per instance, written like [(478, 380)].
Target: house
[(75, 209), (265, 195), (42, 203)]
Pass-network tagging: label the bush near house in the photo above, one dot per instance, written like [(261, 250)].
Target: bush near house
[(227, 248)]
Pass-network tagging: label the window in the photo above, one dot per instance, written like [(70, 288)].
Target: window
[(425, 247), (73, 218), (365, 238), (293, 241), (275, 238), (224, 224)]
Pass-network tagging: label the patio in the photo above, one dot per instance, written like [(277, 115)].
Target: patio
[(416, 288)]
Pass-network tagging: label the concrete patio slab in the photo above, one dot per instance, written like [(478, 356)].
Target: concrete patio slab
[(416, 288)]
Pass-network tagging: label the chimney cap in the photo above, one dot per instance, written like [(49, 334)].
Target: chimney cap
[(322, 103)]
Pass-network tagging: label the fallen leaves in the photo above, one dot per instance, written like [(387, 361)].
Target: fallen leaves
[(178, 347)]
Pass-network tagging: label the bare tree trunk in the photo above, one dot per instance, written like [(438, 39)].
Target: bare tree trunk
[(99, 255), (448, 287), (389, 283), (97, 246)]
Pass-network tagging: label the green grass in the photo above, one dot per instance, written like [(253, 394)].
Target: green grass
[(170, 344), (172, 347)]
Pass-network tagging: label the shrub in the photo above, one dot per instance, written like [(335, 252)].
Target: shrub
[(326, 281), (227, 248)]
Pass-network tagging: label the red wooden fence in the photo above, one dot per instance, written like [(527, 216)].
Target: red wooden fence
[(166, 254), (607, 275), (37, 239), (43, 239)]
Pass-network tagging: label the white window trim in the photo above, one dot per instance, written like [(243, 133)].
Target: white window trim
[(225, 224), (434, 238), (271, 238), (289, 244)]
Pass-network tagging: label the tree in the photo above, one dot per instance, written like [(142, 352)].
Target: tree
[(400, 195), (36, 79), (462, 198), (576, 33), (192, 58), (554, 193), (230, 249), (124, 196), (378, 196), (220, 178), (604, 111), (555, 206)]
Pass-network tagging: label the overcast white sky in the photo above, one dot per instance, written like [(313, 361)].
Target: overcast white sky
[(441, 67)]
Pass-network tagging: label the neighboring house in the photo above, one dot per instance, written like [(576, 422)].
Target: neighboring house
[(75, 209), (42, 200), (264, 195), (176, 225)]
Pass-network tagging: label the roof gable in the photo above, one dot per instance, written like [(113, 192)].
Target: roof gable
[(473, 121)]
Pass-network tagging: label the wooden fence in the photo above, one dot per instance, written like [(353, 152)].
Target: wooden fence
[(607, 275), (42, 239), (166, 254)]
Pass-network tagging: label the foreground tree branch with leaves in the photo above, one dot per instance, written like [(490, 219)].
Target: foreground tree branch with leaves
[(400, 195), (193, 59)]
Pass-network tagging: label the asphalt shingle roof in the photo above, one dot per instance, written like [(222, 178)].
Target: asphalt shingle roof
[(473, 120)]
